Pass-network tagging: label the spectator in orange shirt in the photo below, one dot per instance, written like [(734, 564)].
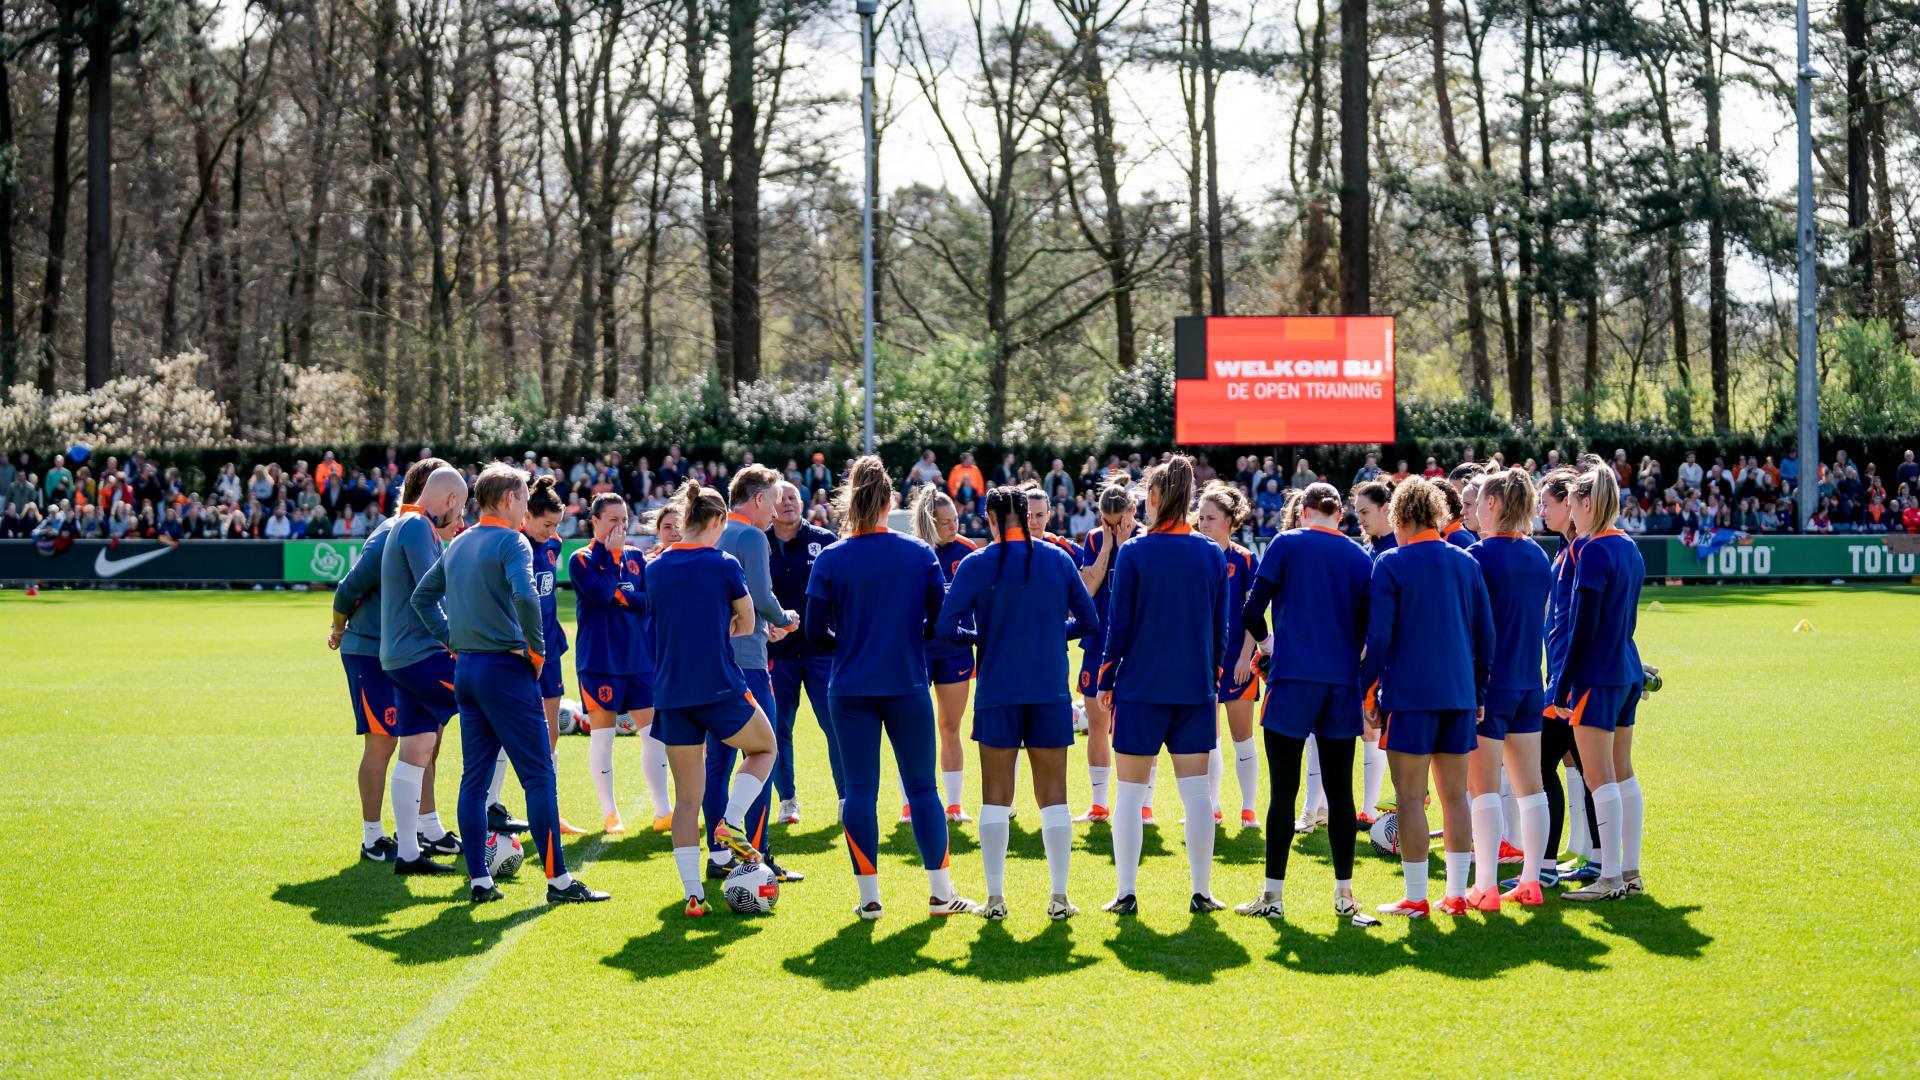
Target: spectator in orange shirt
[(965, 477), (1433, 471), (327, 472)]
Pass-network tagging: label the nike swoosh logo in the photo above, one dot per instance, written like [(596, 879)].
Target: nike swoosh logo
[(107, 568)]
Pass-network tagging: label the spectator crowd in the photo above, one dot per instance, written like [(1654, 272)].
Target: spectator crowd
[(327, 499)]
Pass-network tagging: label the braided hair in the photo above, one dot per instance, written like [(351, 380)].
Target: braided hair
[(1007, 509)]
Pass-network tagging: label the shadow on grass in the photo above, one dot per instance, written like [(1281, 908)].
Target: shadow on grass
[(1655, 927), (996, 956), (1195, 955), (363, 894), (857, 955), (459, 930), (681, 944), (900, 841)]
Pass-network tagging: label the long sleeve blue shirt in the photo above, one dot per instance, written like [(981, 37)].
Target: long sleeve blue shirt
[(692, 589), (1429, 629), (358, 596), (1606, 602), (1167, 627), (546, 573), (1319, 581), (609, 607), (749, 548), (875, 596), (791, 564), (410, 551), (1519, 581), (951, 554), (1026, 601), (478, 597)]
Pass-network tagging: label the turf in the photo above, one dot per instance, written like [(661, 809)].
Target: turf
[(179, 771)]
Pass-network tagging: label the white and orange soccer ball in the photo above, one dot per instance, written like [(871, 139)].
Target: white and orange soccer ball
[(569, 718), (751, 889), (504, 854)]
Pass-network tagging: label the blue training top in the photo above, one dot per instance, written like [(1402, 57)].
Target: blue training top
[(874, 596), (1029, 602), (1519, 581), (1319, 580), (1167, 630), (546, 575), (609, 602), (410, 551), (1560, 608), (1606, 603), (951, 554), (791, 563), (1429, 629), (484, 580), (692, 589), (358, 596)]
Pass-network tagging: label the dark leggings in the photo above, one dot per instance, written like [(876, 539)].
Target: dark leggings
[(1556, 742), (1283, 779)]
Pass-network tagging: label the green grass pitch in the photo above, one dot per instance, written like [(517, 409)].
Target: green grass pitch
[(176, 770)]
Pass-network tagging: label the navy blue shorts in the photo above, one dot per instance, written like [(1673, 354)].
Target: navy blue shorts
[(1446, 731), (1089, 682), (1233, 691), (423, 695), (1298, 709), (722, 719), (372, 695), (551, 683), (1143, 728), (1606, 708), (600, 692), (1011, 727), (945, 669), (1513, 712)]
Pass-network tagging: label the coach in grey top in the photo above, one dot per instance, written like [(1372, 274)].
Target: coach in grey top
[(412, 547), (356, 599), (745, 538)]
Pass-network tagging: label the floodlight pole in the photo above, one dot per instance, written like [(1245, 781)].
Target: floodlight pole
[(866, 10), (1809, 395)]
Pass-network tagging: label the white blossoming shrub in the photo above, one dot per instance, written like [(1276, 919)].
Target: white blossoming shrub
[(167, 409), (328, 407), (23, 418)]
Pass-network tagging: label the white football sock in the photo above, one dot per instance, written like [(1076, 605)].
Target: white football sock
[(1487, 830), (687, 861), (1097, 778), (721, 857), (1534, 821), (499, 777), (1509, 810), (1373, 774), (1606, 811), (939, 884), (1458, 864), (1127, 835), (369, 832), (653, 766), (560, 882), (1246, 769), (1274, 886), (1632, 816), (1056, 833), (993, 846), (1416, 875), (430, 826), (405, 796), (952, 785), (1316, 790), (869, 888), (1579, 839), (746, 788), (484, 881), (1216, 771), (600, 764), (1200, 832)]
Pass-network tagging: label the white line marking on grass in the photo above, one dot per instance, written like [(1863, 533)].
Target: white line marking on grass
[(408, 1040)]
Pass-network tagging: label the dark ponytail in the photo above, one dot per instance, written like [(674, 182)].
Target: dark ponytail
[(541, 498), (1007, 509)]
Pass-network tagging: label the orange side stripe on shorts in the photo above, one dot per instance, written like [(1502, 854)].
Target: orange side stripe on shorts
[(446, 684), (860, 861), (1581, 707), (373, 722)]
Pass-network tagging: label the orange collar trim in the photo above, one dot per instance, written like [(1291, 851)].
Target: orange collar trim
[(1452, 527), (870, 532), (1423, 536), (1606, 532), (741, 518), (1177, 528), (498, 523), (684, 545), (1014, 534), (410, 508), (1324, 529)]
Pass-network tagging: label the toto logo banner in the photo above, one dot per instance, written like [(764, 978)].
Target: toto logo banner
[(1861, 556)]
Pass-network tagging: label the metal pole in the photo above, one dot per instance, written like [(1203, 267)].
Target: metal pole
[(1809, 395), (866, 9)]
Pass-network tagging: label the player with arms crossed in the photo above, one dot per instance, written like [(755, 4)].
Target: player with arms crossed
[(1160, 675), (1429, 644), (699, 599), (1026, 609)]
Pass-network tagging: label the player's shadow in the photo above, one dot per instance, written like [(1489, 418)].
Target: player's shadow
[(363, 894), (681, 944), (1470, 947), (1241, 847), (1196, 954), (792, 841), (901, 842), (996, 956), (634, 847), (1661, 930), (858, 955), (1098, 842), (458, 930)]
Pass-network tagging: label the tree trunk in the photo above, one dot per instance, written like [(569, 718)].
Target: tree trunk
[(1193, 242), (60, 197), (377, 276), (1476, 42), (1676, 251), (1356, 203), (1314, 293), (1860, 238), (743, 20), (1216, 239), (1891, 301), (1717, 342), (9, 315), (502, 222), (715, 215), (1520, 371), (1480, 363), (1113, 246), (1590, 276), (99, 312)]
